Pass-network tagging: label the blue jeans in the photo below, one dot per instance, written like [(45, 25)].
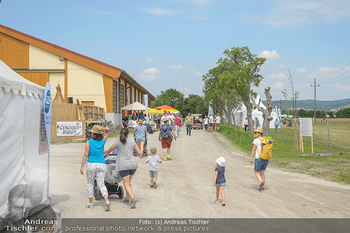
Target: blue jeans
[(277, 128), (188, 129)]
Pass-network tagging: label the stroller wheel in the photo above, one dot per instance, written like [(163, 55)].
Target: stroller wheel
[(120, 192)]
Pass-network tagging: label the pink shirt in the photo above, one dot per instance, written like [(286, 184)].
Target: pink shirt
[(177, 121)]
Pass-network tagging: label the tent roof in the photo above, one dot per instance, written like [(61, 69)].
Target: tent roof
[(10, 80), (136, 106), (166, 107)]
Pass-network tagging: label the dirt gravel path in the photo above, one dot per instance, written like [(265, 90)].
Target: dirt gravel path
[(185, 186)]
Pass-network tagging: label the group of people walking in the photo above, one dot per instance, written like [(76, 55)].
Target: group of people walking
[(212, 123), (127, 165)]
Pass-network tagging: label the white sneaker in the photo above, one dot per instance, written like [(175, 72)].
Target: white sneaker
[(88, 205), (107, 205)]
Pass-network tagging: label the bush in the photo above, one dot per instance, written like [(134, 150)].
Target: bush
[(243, 140)]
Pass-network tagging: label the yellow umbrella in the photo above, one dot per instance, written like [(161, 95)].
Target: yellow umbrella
[(153, 111)]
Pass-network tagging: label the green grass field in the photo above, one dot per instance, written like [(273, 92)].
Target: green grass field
[(335, 168)]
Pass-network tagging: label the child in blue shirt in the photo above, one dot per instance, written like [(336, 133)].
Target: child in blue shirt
[(219, 179), (153, 161)]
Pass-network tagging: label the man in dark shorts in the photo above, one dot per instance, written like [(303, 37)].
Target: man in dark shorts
[(166, 132)]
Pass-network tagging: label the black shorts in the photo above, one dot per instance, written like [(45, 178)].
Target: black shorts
[(124, 173)]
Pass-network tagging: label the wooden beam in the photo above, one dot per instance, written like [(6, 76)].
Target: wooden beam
[(66, 80), (119, 108)]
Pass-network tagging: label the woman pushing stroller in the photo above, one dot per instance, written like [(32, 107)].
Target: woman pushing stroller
[(96, 164), (126, 163)]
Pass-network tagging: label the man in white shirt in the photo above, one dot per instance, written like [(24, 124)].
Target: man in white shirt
[(217, 122)]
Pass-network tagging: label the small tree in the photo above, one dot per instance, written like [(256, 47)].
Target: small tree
[(241, 69), (293, 98)]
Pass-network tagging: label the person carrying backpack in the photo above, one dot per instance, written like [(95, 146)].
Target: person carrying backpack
[(165, 137), (262, 149)]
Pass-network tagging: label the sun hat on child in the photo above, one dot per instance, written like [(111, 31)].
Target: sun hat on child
[(221, 161)]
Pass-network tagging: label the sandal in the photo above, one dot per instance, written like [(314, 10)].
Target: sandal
[(261, 187)]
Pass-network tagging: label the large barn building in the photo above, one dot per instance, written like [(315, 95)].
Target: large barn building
[(80, 77)]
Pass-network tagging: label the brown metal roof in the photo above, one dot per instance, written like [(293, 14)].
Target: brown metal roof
[(93, 64)]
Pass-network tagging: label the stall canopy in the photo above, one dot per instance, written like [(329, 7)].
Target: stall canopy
[(167, 108), (136, 106), (24, 156), (153, 111)]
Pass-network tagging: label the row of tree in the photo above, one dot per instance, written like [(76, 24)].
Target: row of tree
[(226, 87), (343, 113), (177, 100)]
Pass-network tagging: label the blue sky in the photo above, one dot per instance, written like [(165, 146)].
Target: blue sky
[(172, 43)]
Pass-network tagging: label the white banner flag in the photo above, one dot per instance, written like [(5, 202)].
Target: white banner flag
[(47, 112), (146, 105)]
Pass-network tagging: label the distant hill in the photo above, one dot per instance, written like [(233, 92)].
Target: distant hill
[(321, 105)]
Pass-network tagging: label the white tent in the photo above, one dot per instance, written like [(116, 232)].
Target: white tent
[(24, 156), (136, 106), (242, 114)]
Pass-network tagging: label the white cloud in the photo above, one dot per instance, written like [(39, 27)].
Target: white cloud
[(322, 72), (181, 88), (148, 74), (184, 90), (276, 76), (302, 70), (151, 70), (161, 11), (175, 67), (342, 87), (197, 73), (149, 60), (203, 18), (197, 2), (277, 85), (146, 77), (269, 54), (100, 12), (297, 12)]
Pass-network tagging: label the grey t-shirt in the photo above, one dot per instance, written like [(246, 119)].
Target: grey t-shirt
[(153, 162), (140, 131), (125, 155)]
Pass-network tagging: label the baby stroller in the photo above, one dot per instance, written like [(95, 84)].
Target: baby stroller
[(112, 179)]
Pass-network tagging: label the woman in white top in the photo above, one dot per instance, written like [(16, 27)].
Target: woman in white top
[(260, 164)]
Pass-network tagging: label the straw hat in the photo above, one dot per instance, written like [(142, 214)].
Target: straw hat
[(221, 161), (140, 122), (95, 130), (165, 119), (259, 130)]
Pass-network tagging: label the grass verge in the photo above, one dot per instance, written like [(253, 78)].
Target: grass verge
[(335, 168)]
